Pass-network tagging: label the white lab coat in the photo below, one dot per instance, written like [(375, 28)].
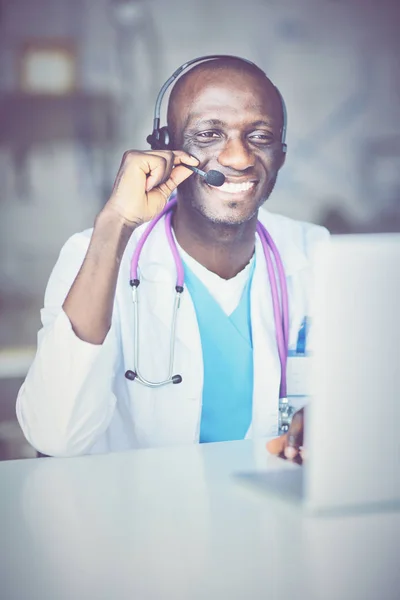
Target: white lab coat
[(76, 399)]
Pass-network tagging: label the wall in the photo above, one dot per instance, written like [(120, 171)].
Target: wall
[(336, 63)]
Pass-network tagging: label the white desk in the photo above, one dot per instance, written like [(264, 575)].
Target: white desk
[(172, 524)]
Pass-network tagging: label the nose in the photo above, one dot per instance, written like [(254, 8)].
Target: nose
[(236, 155)]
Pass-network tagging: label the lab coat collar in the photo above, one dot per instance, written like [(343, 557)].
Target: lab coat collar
[(156, 262)]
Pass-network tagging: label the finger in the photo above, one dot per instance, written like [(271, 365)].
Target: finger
[(167, 173), (176, 157), (295, 436), (165, 189), (178, 175), (291, 451), (183, 157), (156, 176), (297, 459), (277, 445)]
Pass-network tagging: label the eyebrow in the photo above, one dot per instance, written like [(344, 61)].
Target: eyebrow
[(219, 123), (207, 122)]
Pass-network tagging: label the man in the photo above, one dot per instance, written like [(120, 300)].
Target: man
[(223, 115)]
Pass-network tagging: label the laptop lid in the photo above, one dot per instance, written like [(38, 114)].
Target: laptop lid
[(353, 422)]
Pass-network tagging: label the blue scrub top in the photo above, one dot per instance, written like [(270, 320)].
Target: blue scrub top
[(228, 363)]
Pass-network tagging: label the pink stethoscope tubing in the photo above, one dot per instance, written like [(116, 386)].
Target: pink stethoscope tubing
[(280, 304)]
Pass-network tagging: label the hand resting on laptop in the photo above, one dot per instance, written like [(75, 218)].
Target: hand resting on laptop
[(289, 445)]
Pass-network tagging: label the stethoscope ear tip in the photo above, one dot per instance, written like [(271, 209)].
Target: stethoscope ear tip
[(131, 375), (176, 379)]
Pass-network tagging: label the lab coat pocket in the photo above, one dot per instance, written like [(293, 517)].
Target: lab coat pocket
[(299, 380), (168, 414)]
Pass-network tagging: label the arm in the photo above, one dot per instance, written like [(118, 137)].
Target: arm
[(89, 302), (66, 401), (143, 184)]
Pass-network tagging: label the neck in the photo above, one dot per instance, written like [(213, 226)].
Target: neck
[(222, 249)]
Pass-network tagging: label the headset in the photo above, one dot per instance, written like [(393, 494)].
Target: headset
[(159, 139)]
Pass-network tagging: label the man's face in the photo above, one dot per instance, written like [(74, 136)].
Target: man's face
[(231, 122)]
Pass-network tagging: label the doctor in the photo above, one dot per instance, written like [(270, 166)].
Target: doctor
[(85, 391)]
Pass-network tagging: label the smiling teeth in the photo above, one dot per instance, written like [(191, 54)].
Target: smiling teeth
[(235, 188)]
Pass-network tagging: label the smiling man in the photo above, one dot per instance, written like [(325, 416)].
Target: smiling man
[(110, 374), (212, 110)]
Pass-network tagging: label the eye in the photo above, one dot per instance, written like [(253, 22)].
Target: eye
[(207, 135), (262, 138)]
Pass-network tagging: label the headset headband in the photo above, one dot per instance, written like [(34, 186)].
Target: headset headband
[(160, 138)]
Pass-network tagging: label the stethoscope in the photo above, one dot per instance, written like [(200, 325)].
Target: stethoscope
[(276, 275)]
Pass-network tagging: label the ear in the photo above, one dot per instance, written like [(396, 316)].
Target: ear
[(282, 156)]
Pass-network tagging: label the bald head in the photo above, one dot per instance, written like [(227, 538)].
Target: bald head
[(234, 73)]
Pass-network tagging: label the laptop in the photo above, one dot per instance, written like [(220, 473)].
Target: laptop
[(352, 425)]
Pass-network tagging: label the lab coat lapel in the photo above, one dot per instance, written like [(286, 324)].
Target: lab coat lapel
[(289, 241), (265, 353), (267, 370)]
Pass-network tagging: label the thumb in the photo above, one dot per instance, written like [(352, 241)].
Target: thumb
[(179, 174), (277, 445)]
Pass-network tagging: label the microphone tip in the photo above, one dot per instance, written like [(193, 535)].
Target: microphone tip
[(215, 178)]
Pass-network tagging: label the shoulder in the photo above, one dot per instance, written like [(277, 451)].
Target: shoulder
[(296, 241), (74, 250), (69, 261), (299, 234), (77, 244)]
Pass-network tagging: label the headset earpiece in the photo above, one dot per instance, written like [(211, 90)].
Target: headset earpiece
[(159, 139), (164, 139)]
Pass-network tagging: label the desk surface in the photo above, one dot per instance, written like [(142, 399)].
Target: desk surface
[(172, 523)]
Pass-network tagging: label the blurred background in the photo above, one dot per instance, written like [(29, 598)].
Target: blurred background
[(78, 82)]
